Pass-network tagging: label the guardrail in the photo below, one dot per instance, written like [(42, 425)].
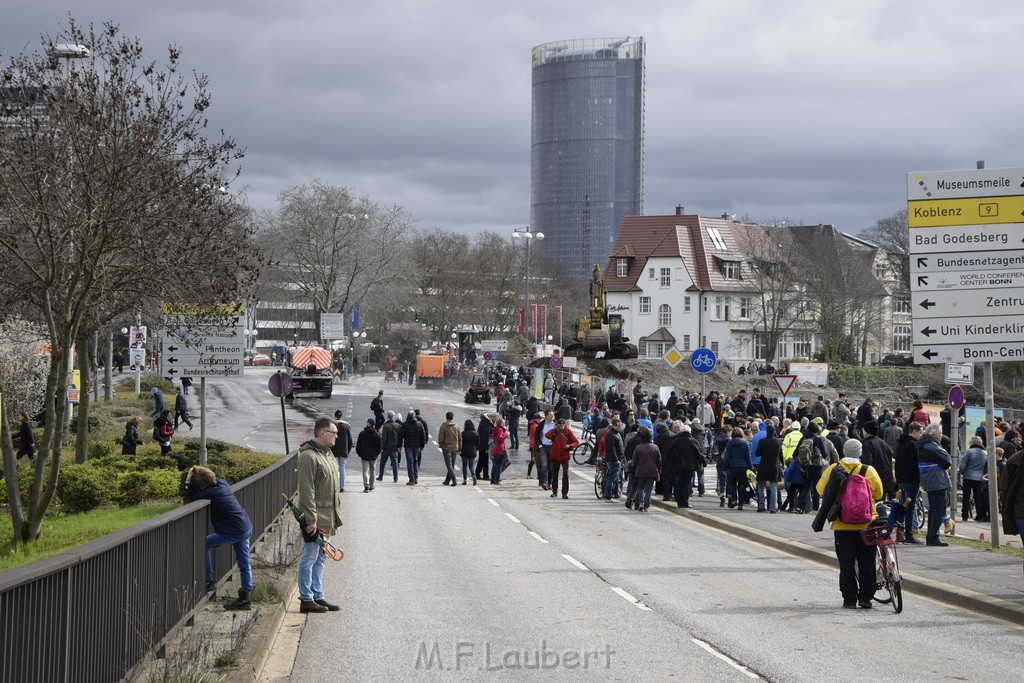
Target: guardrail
[(94, 613)]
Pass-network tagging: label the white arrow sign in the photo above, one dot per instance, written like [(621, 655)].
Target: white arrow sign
[(965, 330), (961, 303), (971, 262), (956, 353), (981, 279)]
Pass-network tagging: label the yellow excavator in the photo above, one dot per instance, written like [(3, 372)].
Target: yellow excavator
[(601, 332)]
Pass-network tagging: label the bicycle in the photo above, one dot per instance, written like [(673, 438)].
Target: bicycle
[(581, 453), (601, 476), (887, 568)]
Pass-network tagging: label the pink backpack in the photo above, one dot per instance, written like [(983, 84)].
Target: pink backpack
[(856, 504)]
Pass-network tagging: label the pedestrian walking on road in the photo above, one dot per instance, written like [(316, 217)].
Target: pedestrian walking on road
[(646, 469), (391, 440), (413, 440), (368, 450), (342, 447), (563, 441), (377, 407), (497, 451), (449, 440), (319, 501), (231, 526), (181, 409), (856, 559), (469, 450), (483, 430)]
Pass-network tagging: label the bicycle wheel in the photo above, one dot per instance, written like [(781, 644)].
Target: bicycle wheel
[(581, 453), (897, 595), (882, 581), (599, 484)]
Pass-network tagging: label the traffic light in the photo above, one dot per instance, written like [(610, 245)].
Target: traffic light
[(416, 313)]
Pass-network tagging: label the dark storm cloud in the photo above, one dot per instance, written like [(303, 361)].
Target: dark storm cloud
[(790, 110)]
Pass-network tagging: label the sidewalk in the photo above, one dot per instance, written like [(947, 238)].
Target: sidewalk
[(974, 579)]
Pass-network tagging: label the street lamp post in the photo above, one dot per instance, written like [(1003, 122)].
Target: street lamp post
[(529, 236)]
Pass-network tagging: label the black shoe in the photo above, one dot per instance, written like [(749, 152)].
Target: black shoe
[(864, 604), (311, 607), (911, 540), (982, 519), (330, 606), (941, 544), (850, 605), (629, 505), (366, 489), (410, 482), (565, 495), (242, 602), (380, 478), (211, 585), (455, 483), (554, 494)]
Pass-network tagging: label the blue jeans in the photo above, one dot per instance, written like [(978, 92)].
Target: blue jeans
[(342, 466), (811, 498), (773, 495), (391, 456), (412, 463), (241, 544), (513, 435), (496, 462), (468, 465), (544, 466), (936, 513), (700, 481), (611, 478), (910, 490), (1020, 526), (644, 485), (311, 572)]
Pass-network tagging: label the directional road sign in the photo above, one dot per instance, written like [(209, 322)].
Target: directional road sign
[(494, 345), (703, 360), (967, 264), (332, 325), (204, 342)]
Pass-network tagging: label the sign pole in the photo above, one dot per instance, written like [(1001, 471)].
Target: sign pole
[(284, 420), (202, 421), (954, 451), (990, 445)]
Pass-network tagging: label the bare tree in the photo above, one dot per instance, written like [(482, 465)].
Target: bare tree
[(110, 193), (332, 248), (893, 235), (775, 285)]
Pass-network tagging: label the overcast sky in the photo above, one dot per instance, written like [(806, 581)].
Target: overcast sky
[(803, 110)]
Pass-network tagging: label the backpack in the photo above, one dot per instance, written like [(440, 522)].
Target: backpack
[(156, 434), (601, 442), (855, 502), (804, 451), (166, 430)]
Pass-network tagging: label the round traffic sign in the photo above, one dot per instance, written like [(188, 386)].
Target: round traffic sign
[(956, 397), (556, 362), (280, 384), (489, 355), (703, 360)]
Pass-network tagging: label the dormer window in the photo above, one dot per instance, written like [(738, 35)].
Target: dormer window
[(621, 267), (731, 270)]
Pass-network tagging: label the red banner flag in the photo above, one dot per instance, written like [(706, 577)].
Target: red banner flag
[(522, 320), (542, 322), (533, 322)]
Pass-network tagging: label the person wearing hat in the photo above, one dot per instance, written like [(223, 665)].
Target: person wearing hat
[(342, 446), (877, 453), (856, 560), (368, 447), (563, 441)]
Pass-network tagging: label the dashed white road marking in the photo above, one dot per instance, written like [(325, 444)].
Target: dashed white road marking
[(510, 516), (493, 502), (629, 598), (538, 536), (728, 660), (573, 560)]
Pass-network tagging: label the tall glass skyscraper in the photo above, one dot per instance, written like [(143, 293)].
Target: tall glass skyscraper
[(586, 160)]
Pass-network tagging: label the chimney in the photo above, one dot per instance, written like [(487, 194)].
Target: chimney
[(679, 209), (725, 216)]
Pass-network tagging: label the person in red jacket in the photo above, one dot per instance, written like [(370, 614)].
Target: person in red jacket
[(563, 441)]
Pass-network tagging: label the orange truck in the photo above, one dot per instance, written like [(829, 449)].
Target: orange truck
[(429, 370)]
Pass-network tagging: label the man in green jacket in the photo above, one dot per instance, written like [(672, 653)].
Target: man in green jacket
[(319, 501)]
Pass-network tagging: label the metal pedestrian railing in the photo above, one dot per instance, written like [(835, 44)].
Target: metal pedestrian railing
[(93, 614)]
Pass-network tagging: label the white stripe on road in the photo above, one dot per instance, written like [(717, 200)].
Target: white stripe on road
[(493, 502), (576, 562), (583, 476), (630, 598), (728, 660), (509, 515), (538, 536)]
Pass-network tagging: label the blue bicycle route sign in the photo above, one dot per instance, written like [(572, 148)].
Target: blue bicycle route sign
[(703, 360)]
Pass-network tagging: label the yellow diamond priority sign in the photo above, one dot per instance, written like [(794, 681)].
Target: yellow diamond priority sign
[(673, 357)]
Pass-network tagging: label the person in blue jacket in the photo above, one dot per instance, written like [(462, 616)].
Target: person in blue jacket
[(230, 525)]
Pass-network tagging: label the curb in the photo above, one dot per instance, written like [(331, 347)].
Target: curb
[(912, 583)]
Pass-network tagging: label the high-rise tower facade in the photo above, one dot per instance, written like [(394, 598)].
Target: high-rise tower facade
[(586, 159)]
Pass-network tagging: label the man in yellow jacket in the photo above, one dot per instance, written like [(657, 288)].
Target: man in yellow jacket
[(856, 560)]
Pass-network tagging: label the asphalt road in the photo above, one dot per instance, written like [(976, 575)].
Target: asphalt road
[(506, 583)]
